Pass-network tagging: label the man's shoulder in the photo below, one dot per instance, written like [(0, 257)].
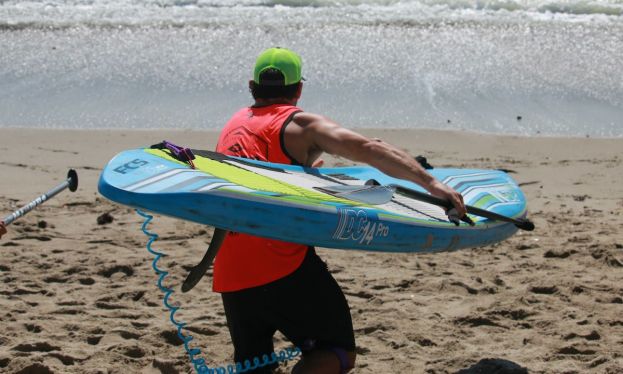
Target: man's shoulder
[(305, 119)]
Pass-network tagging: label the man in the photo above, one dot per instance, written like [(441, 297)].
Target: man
[(269, 285), (2, 229)]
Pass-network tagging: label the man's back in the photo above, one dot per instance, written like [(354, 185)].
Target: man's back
[(246, 261)]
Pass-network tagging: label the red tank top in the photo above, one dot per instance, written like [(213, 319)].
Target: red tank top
[(246, 261)]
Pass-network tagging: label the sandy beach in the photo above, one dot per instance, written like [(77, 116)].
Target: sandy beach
[(80, 296)]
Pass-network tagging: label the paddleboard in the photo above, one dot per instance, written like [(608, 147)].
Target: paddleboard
[(326, 207)]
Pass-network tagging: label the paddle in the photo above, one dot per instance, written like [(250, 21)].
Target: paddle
[(198, 271), (522, 223), (71, 183)]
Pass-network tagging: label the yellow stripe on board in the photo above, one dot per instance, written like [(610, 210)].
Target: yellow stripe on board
[(250, 179)]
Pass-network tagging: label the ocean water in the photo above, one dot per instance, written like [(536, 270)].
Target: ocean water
[(531, 67)]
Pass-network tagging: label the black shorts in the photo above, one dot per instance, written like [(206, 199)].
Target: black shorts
[(305, 306)]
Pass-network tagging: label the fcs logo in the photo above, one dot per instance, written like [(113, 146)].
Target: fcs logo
[(129, 166), (354, 224)]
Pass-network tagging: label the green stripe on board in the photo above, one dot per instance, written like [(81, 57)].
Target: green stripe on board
[(251, 180), (484, 201)]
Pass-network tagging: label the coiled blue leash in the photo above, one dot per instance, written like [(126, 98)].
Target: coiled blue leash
[(193, 353)]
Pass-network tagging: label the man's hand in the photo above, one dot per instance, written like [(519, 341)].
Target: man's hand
[(441, 190), (2, 229)]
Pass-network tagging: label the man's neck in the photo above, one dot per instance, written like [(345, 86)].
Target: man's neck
[(267, 102)]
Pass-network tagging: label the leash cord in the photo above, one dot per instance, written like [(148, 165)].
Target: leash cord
[(194, 353)]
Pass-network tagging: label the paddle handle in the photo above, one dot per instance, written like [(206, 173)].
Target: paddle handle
[(522, 223), (71, 183)]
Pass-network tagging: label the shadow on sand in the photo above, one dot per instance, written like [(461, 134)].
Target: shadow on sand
[(494, 366)]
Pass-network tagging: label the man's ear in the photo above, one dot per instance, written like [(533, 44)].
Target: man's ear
[(299, 90)]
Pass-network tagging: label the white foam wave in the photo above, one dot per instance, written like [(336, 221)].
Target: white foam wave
[(524, 78), (67, 13)]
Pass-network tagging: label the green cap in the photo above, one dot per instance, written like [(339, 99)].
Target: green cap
[(281, 59)]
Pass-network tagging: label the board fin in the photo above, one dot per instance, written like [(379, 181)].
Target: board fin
[(199, 270)]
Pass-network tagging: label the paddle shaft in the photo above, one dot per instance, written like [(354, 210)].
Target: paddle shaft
[(71, 183), (523, 224)]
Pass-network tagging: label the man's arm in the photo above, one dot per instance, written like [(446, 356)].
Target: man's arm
[(2, 229), (322, 134)]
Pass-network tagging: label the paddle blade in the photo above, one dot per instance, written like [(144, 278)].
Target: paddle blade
[(367, 194)]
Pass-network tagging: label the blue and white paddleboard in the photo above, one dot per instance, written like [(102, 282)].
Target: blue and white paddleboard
[(326, 207)]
